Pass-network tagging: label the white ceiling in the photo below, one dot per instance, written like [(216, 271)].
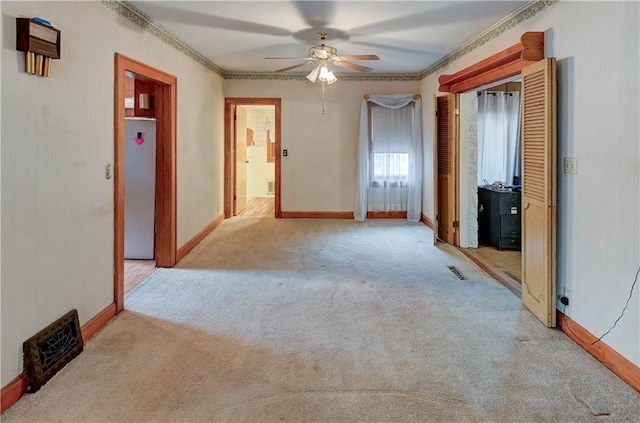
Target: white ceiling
[(408, 36)]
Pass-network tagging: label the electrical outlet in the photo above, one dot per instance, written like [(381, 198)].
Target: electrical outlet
[(564, 298), (570, 165)]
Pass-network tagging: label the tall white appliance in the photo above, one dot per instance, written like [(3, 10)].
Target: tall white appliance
[(140, 186)]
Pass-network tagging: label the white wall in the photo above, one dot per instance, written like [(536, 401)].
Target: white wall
[(596, 44), (320, 172), (57, 137)]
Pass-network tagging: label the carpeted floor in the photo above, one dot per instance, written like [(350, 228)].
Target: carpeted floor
[(301, 320)]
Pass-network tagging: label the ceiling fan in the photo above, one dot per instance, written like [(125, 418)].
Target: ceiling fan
[(325, 55)]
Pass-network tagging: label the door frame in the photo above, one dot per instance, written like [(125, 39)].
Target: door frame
[(165, 193), (229, 150)]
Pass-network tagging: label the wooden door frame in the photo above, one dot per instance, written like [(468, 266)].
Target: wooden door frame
[(229, 150), (165, 191)]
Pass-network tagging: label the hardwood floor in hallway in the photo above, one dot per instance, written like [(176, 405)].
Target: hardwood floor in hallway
[(259, 207), (135, 271)]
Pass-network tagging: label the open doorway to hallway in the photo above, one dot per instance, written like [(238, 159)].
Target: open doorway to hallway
[(252, 157), (255, 146)]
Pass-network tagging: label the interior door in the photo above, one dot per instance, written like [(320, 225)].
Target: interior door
[(539, 189), (445, 169), (240, 197)]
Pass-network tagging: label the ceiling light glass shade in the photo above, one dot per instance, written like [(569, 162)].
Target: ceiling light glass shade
[(324, 73), (331, 78), (313, 75)]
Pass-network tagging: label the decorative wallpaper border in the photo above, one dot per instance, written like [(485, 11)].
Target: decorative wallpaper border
[(133, 14), (139, 18), (254, 76)]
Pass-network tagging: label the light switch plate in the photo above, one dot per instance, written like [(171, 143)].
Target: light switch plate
[(570, 165)]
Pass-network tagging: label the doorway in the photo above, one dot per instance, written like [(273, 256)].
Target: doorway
[(491, 185), (140, 186), (154, 95), (252, 157), (255, 161)]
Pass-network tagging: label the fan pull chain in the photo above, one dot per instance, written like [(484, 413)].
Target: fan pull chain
[(323, 98)]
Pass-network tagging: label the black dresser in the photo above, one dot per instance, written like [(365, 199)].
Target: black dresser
[(499, 218)]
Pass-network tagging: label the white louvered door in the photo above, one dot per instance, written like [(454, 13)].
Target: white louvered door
[(539, 190)]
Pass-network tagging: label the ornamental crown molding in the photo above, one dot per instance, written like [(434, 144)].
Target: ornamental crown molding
[(139, 18), (136, 16), (272, 76)]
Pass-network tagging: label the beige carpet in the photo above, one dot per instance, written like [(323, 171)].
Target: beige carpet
[(329, 321)]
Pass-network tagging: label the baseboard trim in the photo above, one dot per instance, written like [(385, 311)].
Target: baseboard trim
[(316, 215), (13, 392), (387, 215), (191, 244), (15, 389), (615, 362), (98, 321), (424, 219)]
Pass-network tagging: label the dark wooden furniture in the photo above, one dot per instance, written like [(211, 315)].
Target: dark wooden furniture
[(499, 217)]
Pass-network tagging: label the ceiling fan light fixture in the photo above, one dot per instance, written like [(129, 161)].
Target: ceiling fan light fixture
[(326, 75), (313, 75)]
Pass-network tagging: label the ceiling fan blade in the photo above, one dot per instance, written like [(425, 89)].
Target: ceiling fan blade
[(299, 65), (353, 66), (359, 57)]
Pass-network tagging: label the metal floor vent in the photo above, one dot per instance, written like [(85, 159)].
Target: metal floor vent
[(458, 273), (51, 349)]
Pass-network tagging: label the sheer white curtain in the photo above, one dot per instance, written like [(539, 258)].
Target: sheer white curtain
[(499, 148), (389, 174)]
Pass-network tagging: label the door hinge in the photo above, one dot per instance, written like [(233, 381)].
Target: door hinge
[(456, 224), (436, 113), (234, 198), (457, 111)]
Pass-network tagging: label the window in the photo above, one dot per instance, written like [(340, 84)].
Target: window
[(389, 157), (392, 165)]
